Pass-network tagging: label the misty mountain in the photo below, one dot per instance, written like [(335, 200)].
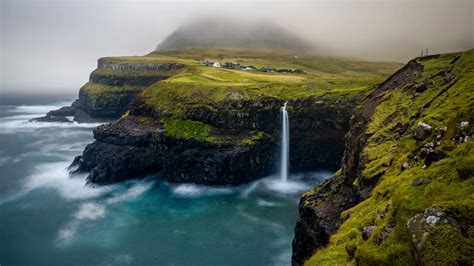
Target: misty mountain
[(225, 33)]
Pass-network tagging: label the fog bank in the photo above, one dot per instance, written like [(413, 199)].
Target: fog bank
[(52, 46)]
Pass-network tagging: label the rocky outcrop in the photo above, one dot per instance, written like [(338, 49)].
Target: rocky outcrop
[(319, 213), (438, 237), (422, 131), (129, 148)]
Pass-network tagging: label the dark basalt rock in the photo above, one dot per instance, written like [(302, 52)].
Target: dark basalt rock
[(48, 118), (58, 115), (319, 217), (63, 111), (127, 149), (143, 81), (317, 126)]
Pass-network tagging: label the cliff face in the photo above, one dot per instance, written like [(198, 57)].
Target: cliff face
[(402, 157), (239, 148), (111, 89), (136, 146)]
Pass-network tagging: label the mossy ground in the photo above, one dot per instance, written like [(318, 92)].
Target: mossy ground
[(187, 129), (198, 131), (447, 100)]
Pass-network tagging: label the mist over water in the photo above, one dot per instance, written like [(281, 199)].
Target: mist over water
[(49, 218)]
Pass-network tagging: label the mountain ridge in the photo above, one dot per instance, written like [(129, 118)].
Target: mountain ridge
[(225, 33)]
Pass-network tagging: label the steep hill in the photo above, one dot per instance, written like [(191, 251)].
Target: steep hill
[(232, 33), (405, 192)]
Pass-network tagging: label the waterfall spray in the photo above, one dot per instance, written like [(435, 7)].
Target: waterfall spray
[(285, 144)]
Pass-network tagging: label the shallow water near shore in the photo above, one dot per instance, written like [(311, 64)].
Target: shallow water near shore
[(49, 218)]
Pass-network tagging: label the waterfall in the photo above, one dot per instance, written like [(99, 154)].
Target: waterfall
[(285, 144)]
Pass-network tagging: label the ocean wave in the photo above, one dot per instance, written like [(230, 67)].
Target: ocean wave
[(265, 203), (248, 189), (13, 126), (19, 120), (55, 176), (38, 109), (8, 160), (90, 211), (87, 212), (134, 191)]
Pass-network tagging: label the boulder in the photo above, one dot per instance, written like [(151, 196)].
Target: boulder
[(368, 231), (463, 132), (422, 131), (418, 182), (438, 239)]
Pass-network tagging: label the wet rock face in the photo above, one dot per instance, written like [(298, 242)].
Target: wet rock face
[(109, 163), (319, 217)]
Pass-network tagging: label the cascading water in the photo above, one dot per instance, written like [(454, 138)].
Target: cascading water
[(285, 144)]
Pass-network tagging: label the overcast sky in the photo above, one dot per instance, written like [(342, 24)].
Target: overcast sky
[(52, 46)]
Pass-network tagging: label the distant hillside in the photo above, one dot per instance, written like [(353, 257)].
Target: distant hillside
[(222, 33)]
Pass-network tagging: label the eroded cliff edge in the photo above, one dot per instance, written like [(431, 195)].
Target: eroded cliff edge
[(404, 194)]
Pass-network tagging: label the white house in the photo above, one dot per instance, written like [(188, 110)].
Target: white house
[(216, 64)]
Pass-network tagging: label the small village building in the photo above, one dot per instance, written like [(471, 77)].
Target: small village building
[(216, 64)]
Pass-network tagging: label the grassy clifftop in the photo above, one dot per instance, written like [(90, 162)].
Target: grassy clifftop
[(429, 175), (201, 85), (173, 84)]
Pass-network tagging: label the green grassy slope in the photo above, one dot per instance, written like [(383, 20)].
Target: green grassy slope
[(445, 100)]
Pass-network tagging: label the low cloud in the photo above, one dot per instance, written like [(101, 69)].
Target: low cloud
[(52, 46)]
